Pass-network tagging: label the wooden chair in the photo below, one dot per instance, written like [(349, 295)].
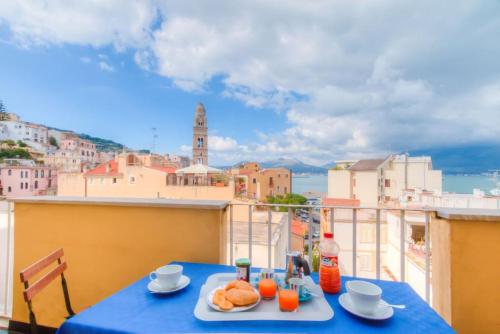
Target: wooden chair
[(31, 290)]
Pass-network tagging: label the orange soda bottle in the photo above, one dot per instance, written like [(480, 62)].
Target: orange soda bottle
[(329, 275)]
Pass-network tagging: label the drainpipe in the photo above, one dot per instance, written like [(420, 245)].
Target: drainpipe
[(85, 194)]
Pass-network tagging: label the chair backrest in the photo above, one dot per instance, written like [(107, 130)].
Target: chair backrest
[(33, 289)]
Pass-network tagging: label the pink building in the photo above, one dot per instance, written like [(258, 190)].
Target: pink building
[(20, 177)]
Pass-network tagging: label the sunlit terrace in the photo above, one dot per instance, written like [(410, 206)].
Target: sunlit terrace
[(111, 244)]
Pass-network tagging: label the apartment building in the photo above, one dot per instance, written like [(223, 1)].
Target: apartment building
[(378, 181), (130, 176), (260, 183), (74, 154), (35, 135), (22, 177)]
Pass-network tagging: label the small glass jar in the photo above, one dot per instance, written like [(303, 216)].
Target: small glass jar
[(243, 269)]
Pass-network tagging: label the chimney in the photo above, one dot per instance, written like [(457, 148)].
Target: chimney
[(108, 167)]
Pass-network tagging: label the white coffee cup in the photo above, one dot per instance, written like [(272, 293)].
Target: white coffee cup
[(167, 276), (365, 296)]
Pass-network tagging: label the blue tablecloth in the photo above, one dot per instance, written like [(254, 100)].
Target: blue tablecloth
[(135, 310)]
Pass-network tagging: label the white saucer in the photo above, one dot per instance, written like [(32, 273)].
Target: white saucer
[(154, 287), (383, 311)]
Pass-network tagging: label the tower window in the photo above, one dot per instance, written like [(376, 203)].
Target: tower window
[(200, 142)]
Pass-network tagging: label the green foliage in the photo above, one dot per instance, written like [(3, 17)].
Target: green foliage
[(102, 144), (53, 141), (20, 143), (337, 168), (287, 199), (9, 142), (16, 153)]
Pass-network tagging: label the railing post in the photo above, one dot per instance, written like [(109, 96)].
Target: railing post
[(269, 236), (230, 234), (332, 220), (309, 240), (377, 244), (290, 217), (427, 258), (250, 232), (402, 244), (354, 239)]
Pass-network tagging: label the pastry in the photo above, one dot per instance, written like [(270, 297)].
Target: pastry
[(239, 284), (219, 297), (241, 297)]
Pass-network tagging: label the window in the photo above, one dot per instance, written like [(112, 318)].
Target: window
[(50, 172), (114, 180), (9, 189), (26, 185), (9, 172), (387, 198), (49, 183), (22, 185), (387, 183), (36, 173), (200, 142), (254, 180), (279, 175), (83, 152), (286, 190), (278, 188), (270, 181), (131, 179), (42, 172), (36, 184)]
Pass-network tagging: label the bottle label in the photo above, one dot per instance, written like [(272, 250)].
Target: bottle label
[(329, 261), (241, 273)]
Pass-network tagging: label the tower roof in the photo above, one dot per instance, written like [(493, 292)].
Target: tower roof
[(200, 109)]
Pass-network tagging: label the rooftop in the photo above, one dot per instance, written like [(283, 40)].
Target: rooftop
[(367, 165)]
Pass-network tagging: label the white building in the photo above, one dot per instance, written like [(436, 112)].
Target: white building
[(378, 181), (35, 135)]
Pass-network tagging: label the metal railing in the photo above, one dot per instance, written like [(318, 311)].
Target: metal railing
[(332, 220)]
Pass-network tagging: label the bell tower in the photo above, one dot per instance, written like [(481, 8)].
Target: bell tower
[(200, 137)]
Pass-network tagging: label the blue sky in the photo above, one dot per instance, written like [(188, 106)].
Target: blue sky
[(65, 87), (326, 80)]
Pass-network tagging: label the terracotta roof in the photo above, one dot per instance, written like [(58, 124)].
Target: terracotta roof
[(168, 170), (340, 201), (101, 169), (366, 164)]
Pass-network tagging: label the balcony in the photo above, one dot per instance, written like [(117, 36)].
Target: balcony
[(111, 243)]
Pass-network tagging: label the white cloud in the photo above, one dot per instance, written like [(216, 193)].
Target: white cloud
[(352, 77), (106, 67)]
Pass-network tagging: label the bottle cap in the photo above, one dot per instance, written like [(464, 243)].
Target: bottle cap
[(328, 235)]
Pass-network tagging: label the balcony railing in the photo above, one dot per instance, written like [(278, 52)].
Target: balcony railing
[(331, 210)]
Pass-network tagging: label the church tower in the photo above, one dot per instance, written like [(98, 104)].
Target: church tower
[(200, 137)]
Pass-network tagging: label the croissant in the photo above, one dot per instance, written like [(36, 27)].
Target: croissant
[(239, 284), (240, 297)]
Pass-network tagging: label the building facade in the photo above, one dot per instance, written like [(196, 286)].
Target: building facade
[(74, 154), (200, 136), (21, 177), (258, 184), (35, 135), (379, 181)]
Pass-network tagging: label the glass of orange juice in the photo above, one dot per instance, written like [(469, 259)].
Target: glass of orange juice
[(267, 288), (288, 300)]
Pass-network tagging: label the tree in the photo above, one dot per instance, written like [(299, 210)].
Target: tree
[(287, 199), (53, 141), (20, 143), (3, 112)]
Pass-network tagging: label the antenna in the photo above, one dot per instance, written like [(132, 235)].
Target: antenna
[(155, 136)]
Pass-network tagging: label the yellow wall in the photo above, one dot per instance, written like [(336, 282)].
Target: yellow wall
[(366, 189), (149, 183), (108, 247), (466, 273)]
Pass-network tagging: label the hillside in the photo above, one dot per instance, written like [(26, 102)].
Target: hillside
[(295, 165), (102, 144)]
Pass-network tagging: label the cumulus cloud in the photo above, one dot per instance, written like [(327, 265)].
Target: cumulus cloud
[(355, 78)]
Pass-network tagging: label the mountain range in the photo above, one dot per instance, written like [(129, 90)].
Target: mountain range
[(464, 159)]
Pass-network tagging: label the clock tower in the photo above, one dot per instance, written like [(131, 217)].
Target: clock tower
[(200, 137)]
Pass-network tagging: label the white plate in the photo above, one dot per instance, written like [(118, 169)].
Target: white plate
[(210, 297), (154, 287), (382, 312)]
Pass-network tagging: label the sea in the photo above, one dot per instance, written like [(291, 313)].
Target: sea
[(463, 184)]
